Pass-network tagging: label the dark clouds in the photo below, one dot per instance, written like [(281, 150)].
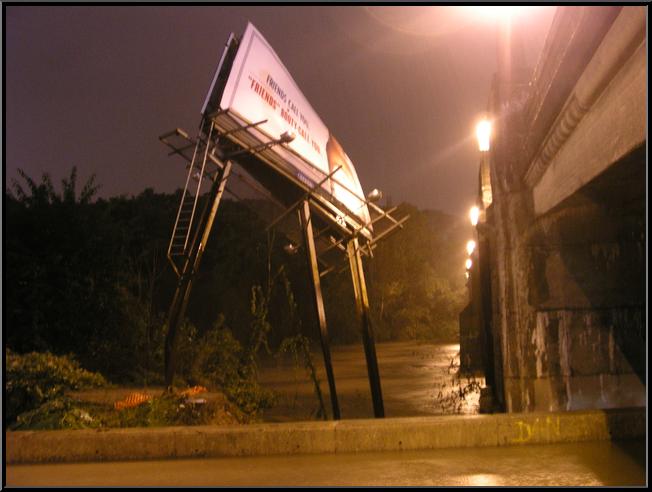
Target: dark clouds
[(400, 87)]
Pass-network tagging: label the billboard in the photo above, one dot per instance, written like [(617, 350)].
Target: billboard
[(260, 88)]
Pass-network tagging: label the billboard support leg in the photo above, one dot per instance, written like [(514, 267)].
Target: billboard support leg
[(362, 307), (190, 267), (313, 267)]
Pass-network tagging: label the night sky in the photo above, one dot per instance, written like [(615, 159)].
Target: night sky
[(400, 87)]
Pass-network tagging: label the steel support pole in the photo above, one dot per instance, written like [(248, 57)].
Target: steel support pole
[(190, 267), (362, 307), (313, 267)]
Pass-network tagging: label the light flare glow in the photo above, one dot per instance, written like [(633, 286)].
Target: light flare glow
[(483, 134), (474, 215), (492, 13)]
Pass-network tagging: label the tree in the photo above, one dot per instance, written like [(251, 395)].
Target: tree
[(416, 282)]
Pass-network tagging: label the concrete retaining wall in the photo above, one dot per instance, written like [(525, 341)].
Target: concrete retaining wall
[(323, 437)]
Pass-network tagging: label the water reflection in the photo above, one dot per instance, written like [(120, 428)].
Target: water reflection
[(482, 480), (418, 379)]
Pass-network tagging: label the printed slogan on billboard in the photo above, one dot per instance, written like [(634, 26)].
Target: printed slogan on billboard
[(259, 88), (288, 111)]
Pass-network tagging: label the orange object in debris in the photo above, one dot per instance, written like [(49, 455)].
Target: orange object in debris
[(194, 390), (132, 400)]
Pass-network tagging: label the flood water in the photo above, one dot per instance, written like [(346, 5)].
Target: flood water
[(416, 379), (597, 463)]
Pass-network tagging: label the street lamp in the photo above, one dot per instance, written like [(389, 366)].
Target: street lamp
[(474, 215), (483, 134), (470, 247), (468, 263)]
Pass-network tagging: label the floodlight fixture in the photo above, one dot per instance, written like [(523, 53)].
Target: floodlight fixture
[(374, 195), (287, 137)]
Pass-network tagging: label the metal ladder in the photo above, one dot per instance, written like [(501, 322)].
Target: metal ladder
[(178, 249)]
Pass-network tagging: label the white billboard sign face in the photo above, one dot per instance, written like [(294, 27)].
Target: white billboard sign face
[(259, 87)]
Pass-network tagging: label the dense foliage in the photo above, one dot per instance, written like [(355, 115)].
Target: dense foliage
[(34, 379), (89, 277)]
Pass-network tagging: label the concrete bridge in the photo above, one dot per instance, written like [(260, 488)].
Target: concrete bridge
[(558, 288)]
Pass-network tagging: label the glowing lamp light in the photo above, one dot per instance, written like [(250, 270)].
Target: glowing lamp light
[(287, 137), (466, 274), (483, 134), (468, 264), (494, 12), (290, 248), (374, 195), (470, 247), (474, 215), (500, 13)]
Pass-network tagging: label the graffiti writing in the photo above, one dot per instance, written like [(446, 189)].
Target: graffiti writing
[(539, 430)]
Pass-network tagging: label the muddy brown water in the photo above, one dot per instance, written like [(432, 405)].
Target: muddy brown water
[(597, 463), (415, 380)]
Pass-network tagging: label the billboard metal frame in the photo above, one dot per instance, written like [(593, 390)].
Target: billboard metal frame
[(225, 140)]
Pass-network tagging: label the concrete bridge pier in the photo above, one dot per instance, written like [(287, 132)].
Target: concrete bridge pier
[(564, 222), (578, 282)]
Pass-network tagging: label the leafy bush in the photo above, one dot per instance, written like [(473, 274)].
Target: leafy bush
[(217, 359), (167, 409), (59, 413), (36, 378)]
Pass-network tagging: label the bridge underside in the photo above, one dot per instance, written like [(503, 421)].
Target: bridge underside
[(562, 247), (583, 342)]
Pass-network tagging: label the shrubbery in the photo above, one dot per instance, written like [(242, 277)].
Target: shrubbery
[(90, 278), (37, 379), (173, 409), (217, 359), (37, 385)]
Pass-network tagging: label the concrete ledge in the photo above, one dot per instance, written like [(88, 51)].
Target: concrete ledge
[(343, 436)]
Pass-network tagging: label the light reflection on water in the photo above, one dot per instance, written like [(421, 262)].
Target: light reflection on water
[(417, 379), (482, 480)]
